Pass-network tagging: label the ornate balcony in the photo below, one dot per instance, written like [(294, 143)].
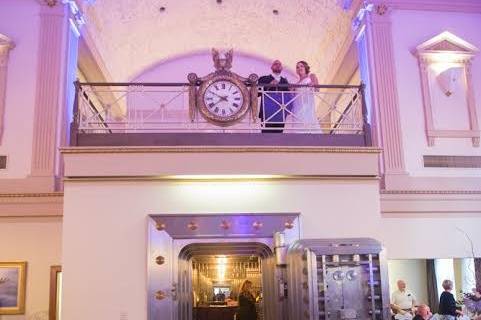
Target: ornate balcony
[(170, 114)]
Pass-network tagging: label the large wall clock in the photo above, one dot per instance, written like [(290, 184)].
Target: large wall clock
[(223, 97)]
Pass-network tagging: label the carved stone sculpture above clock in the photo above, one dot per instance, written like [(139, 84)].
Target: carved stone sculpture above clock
[(222, 97)]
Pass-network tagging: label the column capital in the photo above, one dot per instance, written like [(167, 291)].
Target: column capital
[(5, 46)]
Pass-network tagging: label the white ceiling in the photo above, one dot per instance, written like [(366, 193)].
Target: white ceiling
[(132, 35)]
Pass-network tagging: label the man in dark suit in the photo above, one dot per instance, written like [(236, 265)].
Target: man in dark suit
[(270, 111)]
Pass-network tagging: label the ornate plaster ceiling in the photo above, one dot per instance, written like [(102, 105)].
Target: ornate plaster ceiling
[(132, 35)]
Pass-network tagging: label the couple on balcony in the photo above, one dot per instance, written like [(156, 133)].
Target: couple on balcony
[(282, 107)]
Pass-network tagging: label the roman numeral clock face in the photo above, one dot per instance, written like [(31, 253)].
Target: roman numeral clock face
[(223, 99)]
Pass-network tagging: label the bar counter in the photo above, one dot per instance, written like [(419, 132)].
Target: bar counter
[(214, 312)]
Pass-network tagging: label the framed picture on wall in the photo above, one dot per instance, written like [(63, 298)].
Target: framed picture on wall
[(12, 287)]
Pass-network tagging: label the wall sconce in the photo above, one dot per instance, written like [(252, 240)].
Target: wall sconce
[(192, 226), (447, 80)]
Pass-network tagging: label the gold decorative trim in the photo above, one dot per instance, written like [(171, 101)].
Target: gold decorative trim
[(237, 179), (219, 149), (31, 195), (431, 192)]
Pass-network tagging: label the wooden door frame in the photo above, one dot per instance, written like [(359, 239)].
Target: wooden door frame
[(52, 305)]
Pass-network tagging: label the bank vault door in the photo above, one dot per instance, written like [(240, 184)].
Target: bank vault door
[(161, 288), (337, 279)]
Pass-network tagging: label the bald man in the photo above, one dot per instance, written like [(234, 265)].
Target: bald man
[(270, 110), (422, 312), (403, 301)]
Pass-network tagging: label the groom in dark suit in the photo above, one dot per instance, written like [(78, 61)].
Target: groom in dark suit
[(270, 111)]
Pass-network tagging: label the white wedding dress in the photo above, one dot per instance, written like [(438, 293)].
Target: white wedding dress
[(303, 118)]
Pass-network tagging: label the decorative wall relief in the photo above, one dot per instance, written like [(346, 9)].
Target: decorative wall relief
[(447, 88)]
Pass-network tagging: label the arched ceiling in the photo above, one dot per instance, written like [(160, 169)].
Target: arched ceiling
[(132, 35)]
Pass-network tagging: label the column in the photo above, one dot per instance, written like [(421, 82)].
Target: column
[(50, 97), (5, 46)]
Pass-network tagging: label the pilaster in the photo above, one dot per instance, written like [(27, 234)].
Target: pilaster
[(376, 23), (5, 46), (49, 99)]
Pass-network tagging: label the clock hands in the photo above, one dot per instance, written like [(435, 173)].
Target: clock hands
[(222, 98)]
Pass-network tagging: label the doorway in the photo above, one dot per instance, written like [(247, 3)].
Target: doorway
[(196, 261), (211, 275)]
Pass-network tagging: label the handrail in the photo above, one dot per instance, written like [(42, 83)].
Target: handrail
[(184, 84), (344, 113), (163, 118)]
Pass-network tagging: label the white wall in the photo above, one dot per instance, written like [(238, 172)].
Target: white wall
[(176, 69), (37, 241), (413, 272), (411, 28), (19, 20), (105, 229)]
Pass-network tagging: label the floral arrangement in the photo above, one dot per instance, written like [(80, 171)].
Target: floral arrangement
[(472, 302)]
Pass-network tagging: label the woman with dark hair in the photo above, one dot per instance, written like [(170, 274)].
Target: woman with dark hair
[(247, 302), (303, 117)]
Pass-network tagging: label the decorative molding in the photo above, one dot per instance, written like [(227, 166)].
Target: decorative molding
[(6, 44), (430, 203), (4, 196), (447, 48), (27, 185), (49, 92), (441, 192), (31, 204), (220, 149), (222, 179), (467, 6)]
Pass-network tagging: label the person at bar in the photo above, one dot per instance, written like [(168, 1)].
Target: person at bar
[(247, 302)]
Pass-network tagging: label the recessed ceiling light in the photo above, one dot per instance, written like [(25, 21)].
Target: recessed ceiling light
[(275, 11), (219, 1), (162, 9)]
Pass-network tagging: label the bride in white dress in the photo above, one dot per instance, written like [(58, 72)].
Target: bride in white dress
[(303, 118)]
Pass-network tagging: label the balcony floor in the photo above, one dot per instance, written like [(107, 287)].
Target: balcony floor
[(218, 139)]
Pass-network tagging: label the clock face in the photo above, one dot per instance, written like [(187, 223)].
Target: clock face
[(223, 99)]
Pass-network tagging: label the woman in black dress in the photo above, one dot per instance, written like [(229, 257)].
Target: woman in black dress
[(247, 303), (447, 304)]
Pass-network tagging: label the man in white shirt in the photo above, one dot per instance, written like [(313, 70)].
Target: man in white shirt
[(403, 301)]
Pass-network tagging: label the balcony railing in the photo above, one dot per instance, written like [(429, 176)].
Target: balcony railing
[(114, 113)]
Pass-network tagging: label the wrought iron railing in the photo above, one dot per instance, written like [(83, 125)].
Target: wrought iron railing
[(164, 107)]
